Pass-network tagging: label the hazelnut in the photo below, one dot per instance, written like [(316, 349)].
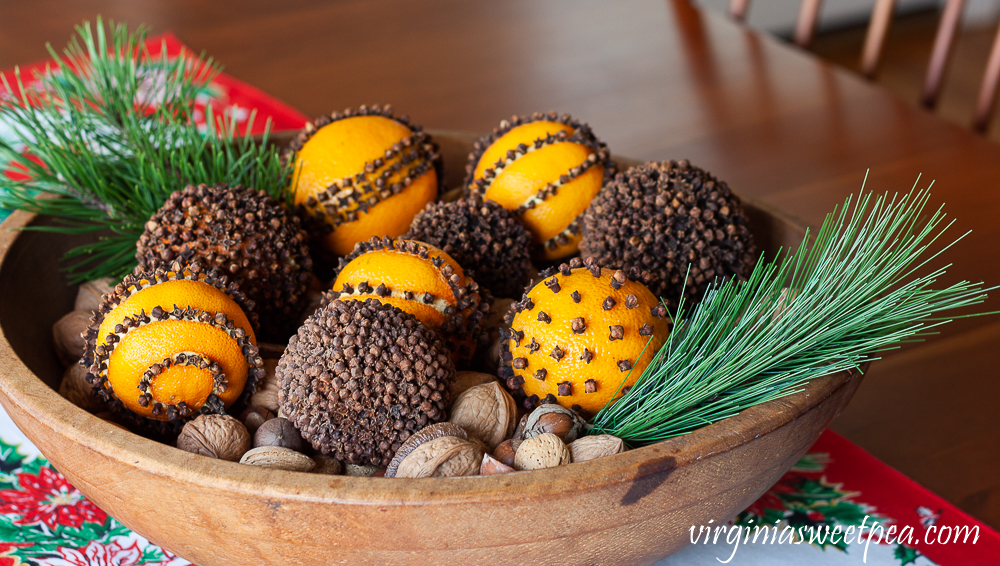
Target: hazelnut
[(486, 412), (504, 452), (491, 466), (442, 457), (558, 420), (279, 432), (465, 380), (591, 447), (267, 388), (91, 293), (215, 436), (278, 458), (253, 417), (66, 333), (327, 465), (75, 389), (543, 451)]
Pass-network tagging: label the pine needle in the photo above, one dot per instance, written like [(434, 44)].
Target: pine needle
[(108, 133), (858, 289)]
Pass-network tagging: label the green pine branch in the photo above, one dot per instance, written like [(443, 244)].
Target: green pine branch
[(861, 287), (107, 133)]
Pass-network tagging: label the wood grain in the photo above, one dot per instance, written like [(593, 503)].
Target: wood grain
[(657, 80)]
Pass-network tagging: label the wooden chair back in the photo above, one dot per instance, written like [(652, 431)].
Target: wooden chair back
[(878, 29)]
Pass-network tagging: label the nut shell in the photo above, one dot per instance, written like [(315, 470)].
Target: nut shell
[(357, 471), (278, 458), (327, 465), (558, 420), (67, 336), (267, 388), (279, 432), (442, 457), (254, 417), (215, 436), (593, 447), (75, 389), (423, 435), (464, 380), (491, 466), (543, 451), (505, 451), (91, 293), (486, 412)]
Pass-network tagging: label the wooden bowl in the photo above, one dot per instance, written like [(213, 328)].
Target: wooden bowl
[(632, 508)]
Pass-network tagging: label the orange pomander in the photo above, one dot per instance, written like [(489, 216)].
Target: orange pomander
[(363, 173), (545, 168), (166, 346), (579, 337), (421, 280)]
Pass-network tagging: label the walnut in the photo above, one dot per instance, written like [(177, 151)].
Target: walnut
[(486, 412), (423, 435), (215, 436), (267, 388), (75, 389), (278, 458), (91, 293), (591, 447), (543, 451), (558, 420), (442, 457), (465, 380), (279, 432), (66, 333)]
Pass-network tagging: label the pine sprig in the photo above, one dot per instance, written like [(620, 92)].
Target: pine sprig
[(858, 289), (108, 133)]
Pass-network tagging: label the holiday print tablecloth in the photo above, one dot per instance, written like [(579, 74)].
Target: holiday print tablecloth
[(813, 515)]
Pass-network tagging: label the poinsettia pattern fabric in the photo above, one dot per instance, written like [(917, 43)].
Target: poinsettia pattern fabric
[(45, 521)]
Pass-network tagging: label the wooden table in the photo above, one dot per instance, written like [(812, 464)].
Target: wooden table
[(656, 80)]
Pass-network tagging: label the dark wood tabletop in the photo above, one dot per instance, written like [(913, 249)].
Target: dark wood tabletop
[(656, 80)]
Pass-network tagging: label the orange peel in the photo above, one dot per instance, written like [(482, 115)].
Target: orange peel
[(419, 279), (166, 346), (581, 336), (546, 169), (362, 173)]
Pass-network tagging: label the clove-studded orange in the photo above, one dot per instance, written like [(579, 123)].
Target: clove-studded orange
[(545, 168), (581, 336), (165, 346), (363, 173), (421, 280)]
